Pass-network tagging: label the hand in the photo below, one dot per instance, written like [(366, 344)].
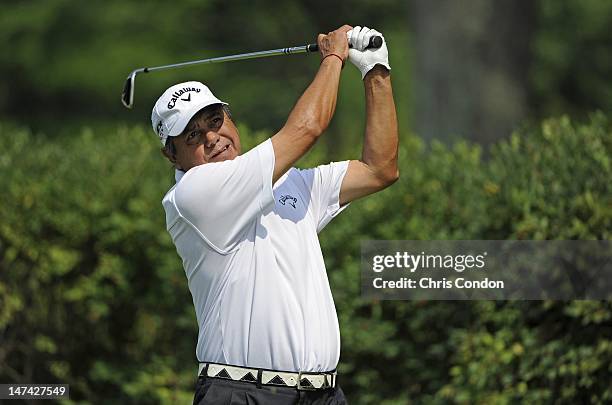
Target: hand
[(366, 59), (334, 43)]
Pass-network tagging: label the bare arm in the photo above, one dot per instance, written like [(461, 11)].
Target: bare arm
[(315, 108), (377, 168)]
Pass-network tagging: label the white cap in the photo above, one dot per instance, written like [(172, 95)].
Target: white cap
[(177, 106)]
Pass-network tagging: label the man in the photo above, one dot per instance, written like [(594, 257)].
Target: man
[(245, 226)]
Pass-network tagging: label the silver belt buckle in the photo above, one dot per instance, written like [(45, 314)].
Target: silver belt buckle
[(299, 385)]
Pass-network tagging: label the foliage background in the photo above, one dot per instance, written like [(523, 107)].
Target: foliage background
[(92, 292)]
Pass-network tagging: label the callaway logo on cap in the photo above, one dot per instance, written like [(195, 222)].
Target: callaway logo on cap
[(177, 105)]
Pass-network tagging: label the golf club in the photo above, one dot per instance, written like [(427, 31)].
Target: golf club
[(127, 98)]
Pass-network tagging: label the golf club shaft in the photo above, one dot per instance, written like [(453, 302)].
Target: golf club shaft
[(127, 97), (242, 56), (375, 42)]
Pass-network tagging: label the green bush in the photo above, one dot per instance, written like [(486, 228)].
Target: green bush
[(550, 182), (96, 294), (92, 292)]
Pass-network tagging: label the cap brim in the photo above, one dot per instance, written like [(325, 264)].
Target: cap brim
[(182, 122)]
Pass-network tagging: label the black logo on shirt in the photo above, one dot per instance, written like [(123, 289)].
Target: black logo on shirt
[(288, 199)]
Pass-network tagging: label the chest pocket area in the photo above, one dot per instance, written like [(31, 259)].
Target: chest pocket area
[(290, 205)]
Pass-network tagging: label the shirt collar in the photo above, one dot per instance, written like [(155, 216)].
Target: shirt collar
[(178, 175)]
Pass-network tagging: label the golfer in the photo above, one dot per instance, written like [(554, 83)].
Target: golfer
[(246, 224)]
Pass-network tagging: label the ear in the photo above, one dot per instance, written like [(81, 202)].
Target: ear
[(169, 156)]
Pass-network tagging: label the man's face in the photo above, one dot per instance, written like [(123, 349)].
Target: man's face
[(210, 136)]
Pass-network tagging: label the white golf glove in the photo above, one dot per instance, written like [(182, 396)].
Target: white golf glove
[(366, 59)]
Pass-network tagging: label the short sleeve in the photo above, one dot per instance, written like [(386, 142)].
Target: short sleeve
[(323, 183), (223, 200)]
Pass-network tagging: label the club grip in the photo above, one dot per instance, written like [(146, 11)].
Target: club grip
[(375, 43)]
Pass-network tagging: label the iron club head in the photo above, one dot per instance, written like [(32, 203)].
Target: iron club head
[(127, 97)]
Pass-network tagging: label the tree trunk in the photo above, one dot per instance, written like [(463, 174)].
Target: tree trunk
[(470, 68)]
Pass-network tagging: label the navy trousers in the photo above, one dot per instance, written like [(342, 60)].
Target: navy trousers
[(220, 391)]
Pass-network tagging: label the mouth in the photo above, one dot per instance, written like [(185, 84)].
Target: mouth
[(219, 152)]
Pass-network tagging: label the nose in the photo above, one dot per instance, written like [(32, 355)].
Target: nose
[(211, 139)]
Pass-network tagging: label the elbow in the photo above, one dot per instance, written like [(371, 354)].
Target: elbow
[(315, 123), (389, 177), (310, 128), (314, 130), (396, 176), (383, 177), (315, 127)]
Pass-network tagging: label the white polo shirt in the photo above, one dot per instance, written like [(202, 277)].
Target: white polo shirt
[(253, 261)]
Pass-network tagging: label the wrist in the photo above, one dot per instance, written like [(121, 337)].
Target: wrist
[(333, 57), (377, 71)]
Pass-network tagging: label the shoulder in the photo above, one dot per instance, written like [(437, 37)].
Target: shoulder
[(319, 174), (298, 177)]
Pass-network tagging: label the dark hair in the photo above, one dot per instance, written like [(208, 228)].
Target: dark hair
[(169, 147), (228, 112)]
